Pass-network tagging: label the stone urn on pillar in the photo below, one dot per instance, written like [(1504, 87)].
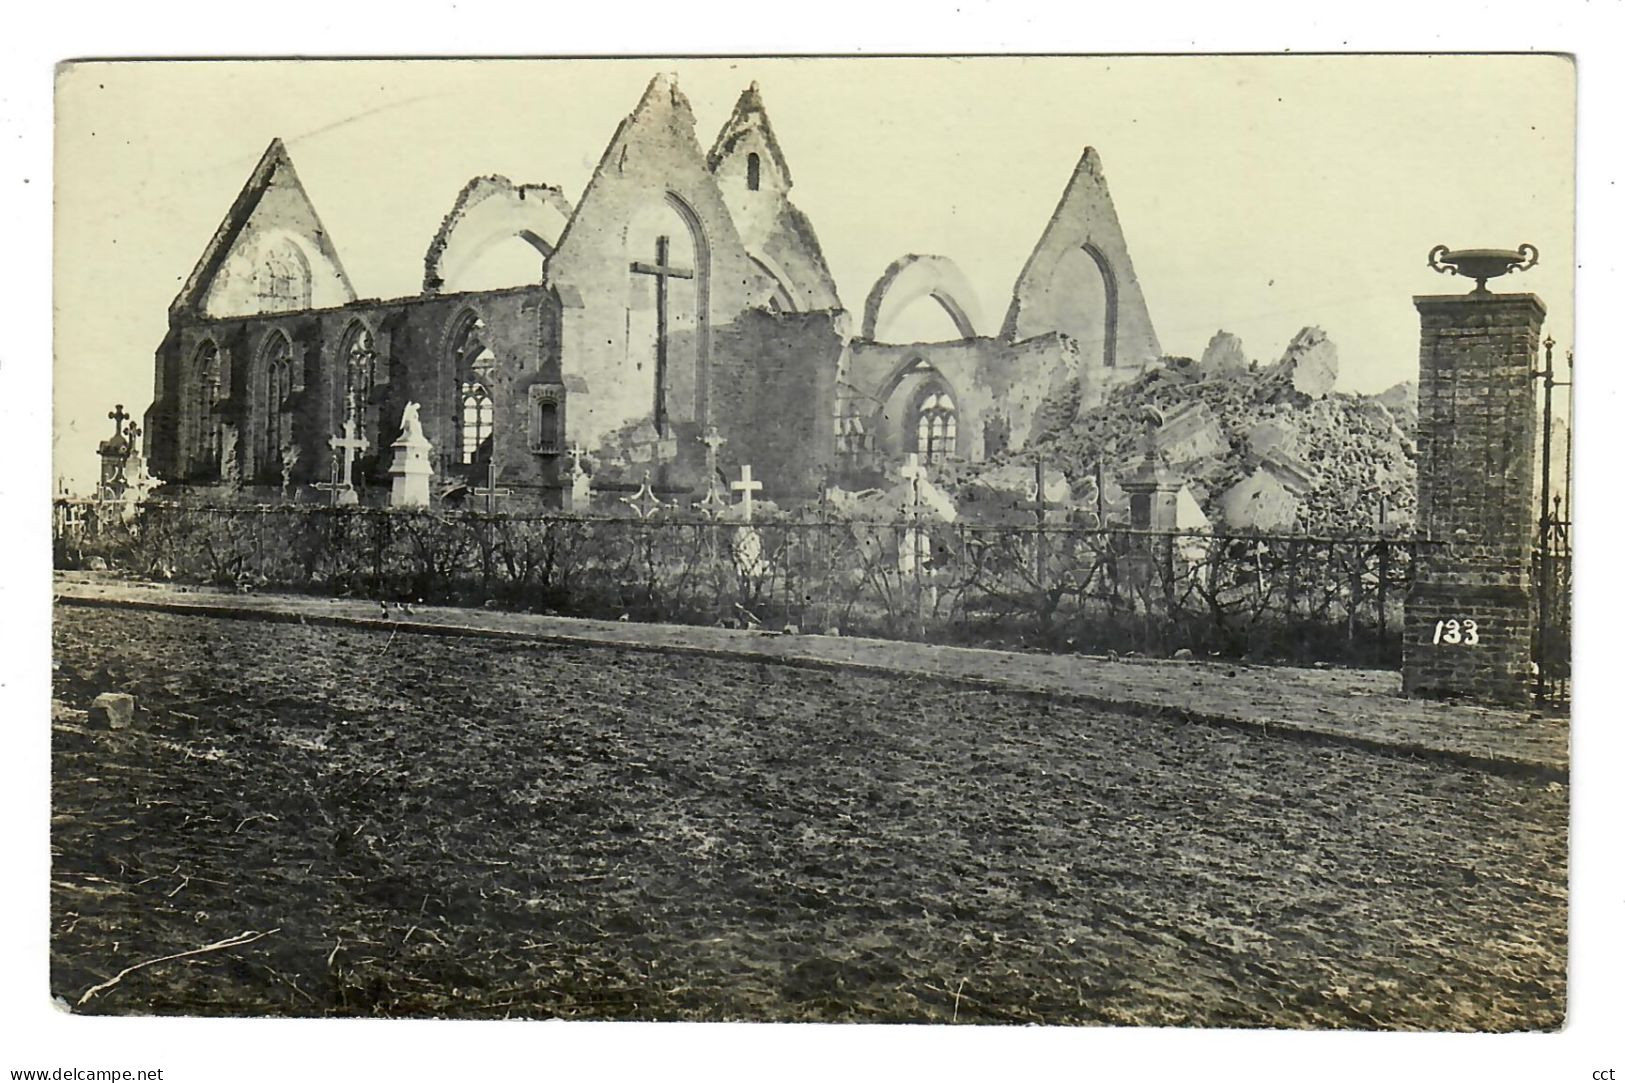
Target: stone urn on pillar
[(1471, 609), (410, 468)]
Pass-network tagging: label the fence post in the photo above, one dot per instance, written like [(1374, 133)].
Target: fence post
[(1382, 597)]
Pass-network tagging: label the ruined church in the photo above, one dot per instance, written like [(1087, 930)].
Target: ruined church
[(682, 296)]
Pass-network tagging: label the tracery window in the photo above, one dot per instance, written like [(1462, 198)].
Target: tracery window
[(475, 366), (936, 427), (206, 449), (360, 371), (282, 280), (277, 429)]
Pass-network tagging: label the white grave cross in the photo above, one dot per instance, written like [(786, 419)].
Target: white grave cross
[(748, 486), (346, 447)]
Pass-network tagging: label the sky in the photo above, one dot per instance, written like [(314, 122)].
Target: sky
[(1258, 195)]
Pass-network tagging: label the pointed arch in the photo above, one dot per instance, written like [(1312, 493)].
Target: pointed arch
[(208, 385), (271, 202), (1108, 278), (282, 276), (934, 421), (913, 278), (497, 234), (358, 361), (668, 305), (472, 364), (920, 411), (783, 299), (276, 378), (696, 233)]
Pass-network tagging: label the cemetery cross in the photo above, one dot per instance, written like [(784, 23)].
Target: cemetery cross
[(749, 487)]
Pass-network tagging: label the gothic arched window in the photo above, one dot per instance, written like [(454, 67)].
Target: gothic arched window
[(475, 368), (206, 447), (936, 426), (360, 362), (282, 279), (753, 171), (277, 431)]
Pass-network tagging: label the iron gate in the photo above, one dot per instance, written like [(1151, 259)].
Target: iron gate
[(1553, 545)]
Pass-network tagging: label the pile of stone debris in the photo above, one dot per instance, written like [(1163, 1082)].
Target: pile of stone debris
[(1267, 448)]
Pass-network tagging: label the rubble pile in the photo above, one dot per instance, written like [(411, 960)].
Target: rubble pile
[(1268, 447)]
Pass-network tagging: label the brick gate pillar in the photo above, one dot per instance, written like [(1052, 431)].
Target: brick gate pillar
[(1470, 614)]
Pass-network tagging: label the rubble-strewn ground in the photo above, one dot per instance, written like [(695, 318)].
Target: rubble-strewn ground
[(1360, 448), (461, 827)]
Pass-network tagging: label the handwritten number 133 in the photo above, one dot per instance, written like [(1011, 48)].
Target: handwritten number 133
[(1456, 631)]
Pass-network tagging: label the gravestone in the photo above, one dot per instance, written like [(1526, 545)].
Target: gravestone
[(115, 455), (410, 470)]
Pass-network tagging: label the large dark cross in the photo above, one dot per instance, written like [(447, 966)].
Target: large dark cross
[(661, 271), (118, 417)]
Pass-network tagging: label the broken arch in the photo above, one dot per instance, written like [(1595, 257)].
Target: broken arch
[(497, 234), (915, 277)]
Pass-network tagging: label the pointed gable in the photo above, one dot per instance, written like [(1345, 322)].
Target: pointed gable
[(748, 130), (649, 265), (755, 180), (1080, 281), (270, 253), (653, 161)]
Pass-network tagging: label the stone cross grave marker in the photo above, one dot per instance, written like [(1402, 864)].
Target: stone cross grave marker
[(340, 488), (490, 490), (334, 487), (644, 502), (715, 500), (347, 446), (748, 487)]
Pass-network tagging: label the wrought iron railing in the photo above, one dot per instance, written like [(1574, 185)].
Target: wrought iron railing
[(1059, 587)]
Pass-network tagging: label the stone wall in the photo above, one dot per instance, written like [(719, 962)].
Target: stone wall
[(652, 183), (411, 339), (1476, 437), (1080, 280), (997, 387), (775, 381)]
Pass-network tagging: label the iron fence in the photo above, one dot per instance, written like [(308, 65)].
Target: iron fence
[(1059, 587), (1553, 554)]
